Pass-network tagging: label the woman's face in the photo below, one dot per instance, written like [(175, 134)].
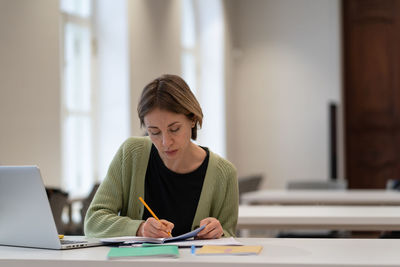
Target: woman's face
[(170, 133)]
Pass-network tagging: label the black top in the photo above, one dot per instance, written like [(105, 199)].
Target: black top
[(173, 196)]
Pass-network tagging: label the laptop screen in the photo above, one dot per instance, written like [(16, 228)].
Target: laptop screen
[(26, 218)]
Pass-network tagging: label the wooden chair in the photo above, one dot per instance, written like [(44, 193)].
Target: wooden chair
[(76, 228), (58, 202), (249, 184), (317, 184)]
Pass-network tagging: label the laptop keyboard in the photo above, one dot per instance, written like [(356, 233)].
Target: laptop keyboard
[(69, 242)]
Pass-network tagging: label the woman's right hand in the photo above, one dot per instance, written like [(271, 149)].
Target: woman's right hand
[(153, 228)]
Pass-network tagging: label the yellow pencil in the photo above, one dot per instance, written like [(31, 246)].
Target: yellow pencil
[(151, 212)]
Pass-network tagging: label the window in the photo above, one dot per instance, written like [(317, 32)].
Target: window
[(203, 65), (188, 41), (78, 99), (95, 84)]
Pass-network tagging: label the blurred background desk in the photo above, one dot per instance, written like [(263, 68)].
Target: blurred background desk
[(362, 218), (323, 197)]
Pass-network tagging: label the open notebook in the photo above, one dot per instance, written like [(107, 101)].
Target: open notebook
[(140, 239)]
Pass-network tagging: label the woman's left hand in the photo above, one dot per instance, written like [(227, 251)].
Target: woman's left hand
[(213, 229)]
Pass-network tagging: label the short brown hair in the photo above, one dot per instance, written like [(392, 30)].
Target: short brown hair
[(170, 92)]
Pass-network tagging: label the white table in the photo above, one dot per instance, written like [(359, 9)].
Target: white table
[(371, 218), (276, 251), (323, 197)]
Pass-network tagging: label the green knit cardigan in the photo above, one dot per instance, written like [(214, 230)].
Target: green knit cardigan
[(117, 211)]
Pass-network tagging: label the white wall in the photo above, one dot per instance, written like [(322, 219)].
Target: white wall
[(30, 86), (285, 71), (30, 74), (112, 81), (282, 70), (211, 68)]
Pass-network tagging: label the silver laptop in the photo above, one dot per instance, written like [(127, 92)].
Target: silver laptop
[(25, 215)]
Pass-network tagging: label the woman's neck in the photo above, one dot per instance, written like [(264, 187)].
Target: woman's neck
[(189, 161)]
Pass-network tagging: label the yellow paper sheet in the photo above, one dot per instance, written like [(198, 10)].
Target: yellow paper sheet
[(229, 250)]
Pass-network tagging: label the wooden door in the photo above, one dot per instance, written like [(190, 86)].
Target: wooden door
[(371, 58)]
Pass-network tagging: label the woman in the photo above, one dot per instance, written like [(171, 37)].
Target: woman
[(186, 185)]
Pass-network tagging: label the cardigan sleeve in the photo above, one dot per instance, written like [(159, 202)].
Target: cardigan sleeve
[(103, 218), (220, 195), (229, 212)]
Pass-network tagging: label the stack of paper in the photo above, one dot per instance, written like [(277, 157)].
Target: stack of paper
[(229, 250), (147, 251)]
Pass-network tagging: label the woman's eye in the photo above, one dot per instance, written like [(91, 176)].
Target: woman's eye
[(174, 130), (154, 133)]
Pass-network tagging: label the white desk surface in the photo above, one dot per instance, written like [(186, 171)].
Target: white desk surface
[(323, 197), (372, 218), (281, 252)]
